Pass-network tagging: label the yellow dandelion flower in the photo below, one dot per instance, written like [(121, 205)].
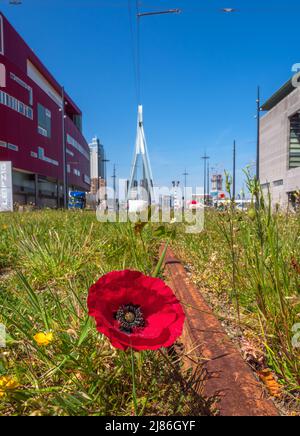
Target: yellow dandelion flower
[(43, 339), (7, 383)]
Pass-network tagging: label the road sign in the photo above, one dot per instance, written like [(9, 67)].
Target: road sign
[(6, 187)]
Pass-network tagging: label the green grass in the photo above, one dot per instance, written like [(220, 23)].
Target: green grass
[(48, 260), (251, 261)]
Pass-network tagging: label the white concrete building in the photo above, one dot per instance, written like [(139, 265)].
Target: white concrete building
[(280, 145)]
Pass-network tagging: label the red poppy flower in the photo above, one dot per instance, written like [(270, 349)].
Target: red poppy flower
[(136, 311)]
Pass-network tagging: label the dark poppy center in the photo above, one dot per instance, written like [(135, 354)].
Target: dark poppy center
[(130, 317)]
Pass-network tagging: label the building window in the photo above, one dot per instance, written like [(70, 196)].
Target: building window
[(16, 105), (69, 152), (24, 85), (77, 120), (87, 179), (1, 36), (28, 112), (34, 74), (21, 108), (41, 156), (44, 121), (278, 182), (76, 172), (294, 146), (9, 146), (265, 185), (13, 147), (77, 146)]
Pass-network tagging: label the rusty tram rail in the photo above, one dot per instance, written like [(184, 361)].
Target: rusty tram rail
[(208, 349)]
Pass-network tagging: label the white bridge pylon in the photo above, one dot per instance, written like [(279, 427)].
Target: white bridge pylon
[(140, 188)]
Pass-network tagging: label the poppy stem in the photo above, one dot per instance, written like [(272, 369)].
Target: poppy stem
[(133, 384), (161, 260)]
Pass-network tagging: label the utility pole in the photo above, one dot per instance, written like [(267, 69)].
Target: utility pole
[(65, 170), (104, 160), (185, 174), (258, 133), (208, 180), (204, 178), (205, 158), (114, 176), (233, 172)]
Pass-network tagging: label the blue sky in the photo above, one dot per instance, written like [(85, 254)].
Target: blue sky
[(199, 73)]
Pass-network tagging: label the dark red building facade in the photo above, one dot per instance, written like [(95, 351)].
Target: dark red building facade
[(42, 144)]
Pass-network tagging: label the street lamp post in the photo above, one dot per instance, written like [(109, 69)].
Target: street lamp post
[(205, 158), (204, 180), (258, 133), (114, 177), (208, 181), (169, 11), (234, 170), (185, 174), (105, 181), (65, 176)]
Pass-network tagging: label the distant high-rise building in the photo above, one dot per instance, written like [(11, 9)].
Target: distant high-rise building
[(217, 183), (98, 165)]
